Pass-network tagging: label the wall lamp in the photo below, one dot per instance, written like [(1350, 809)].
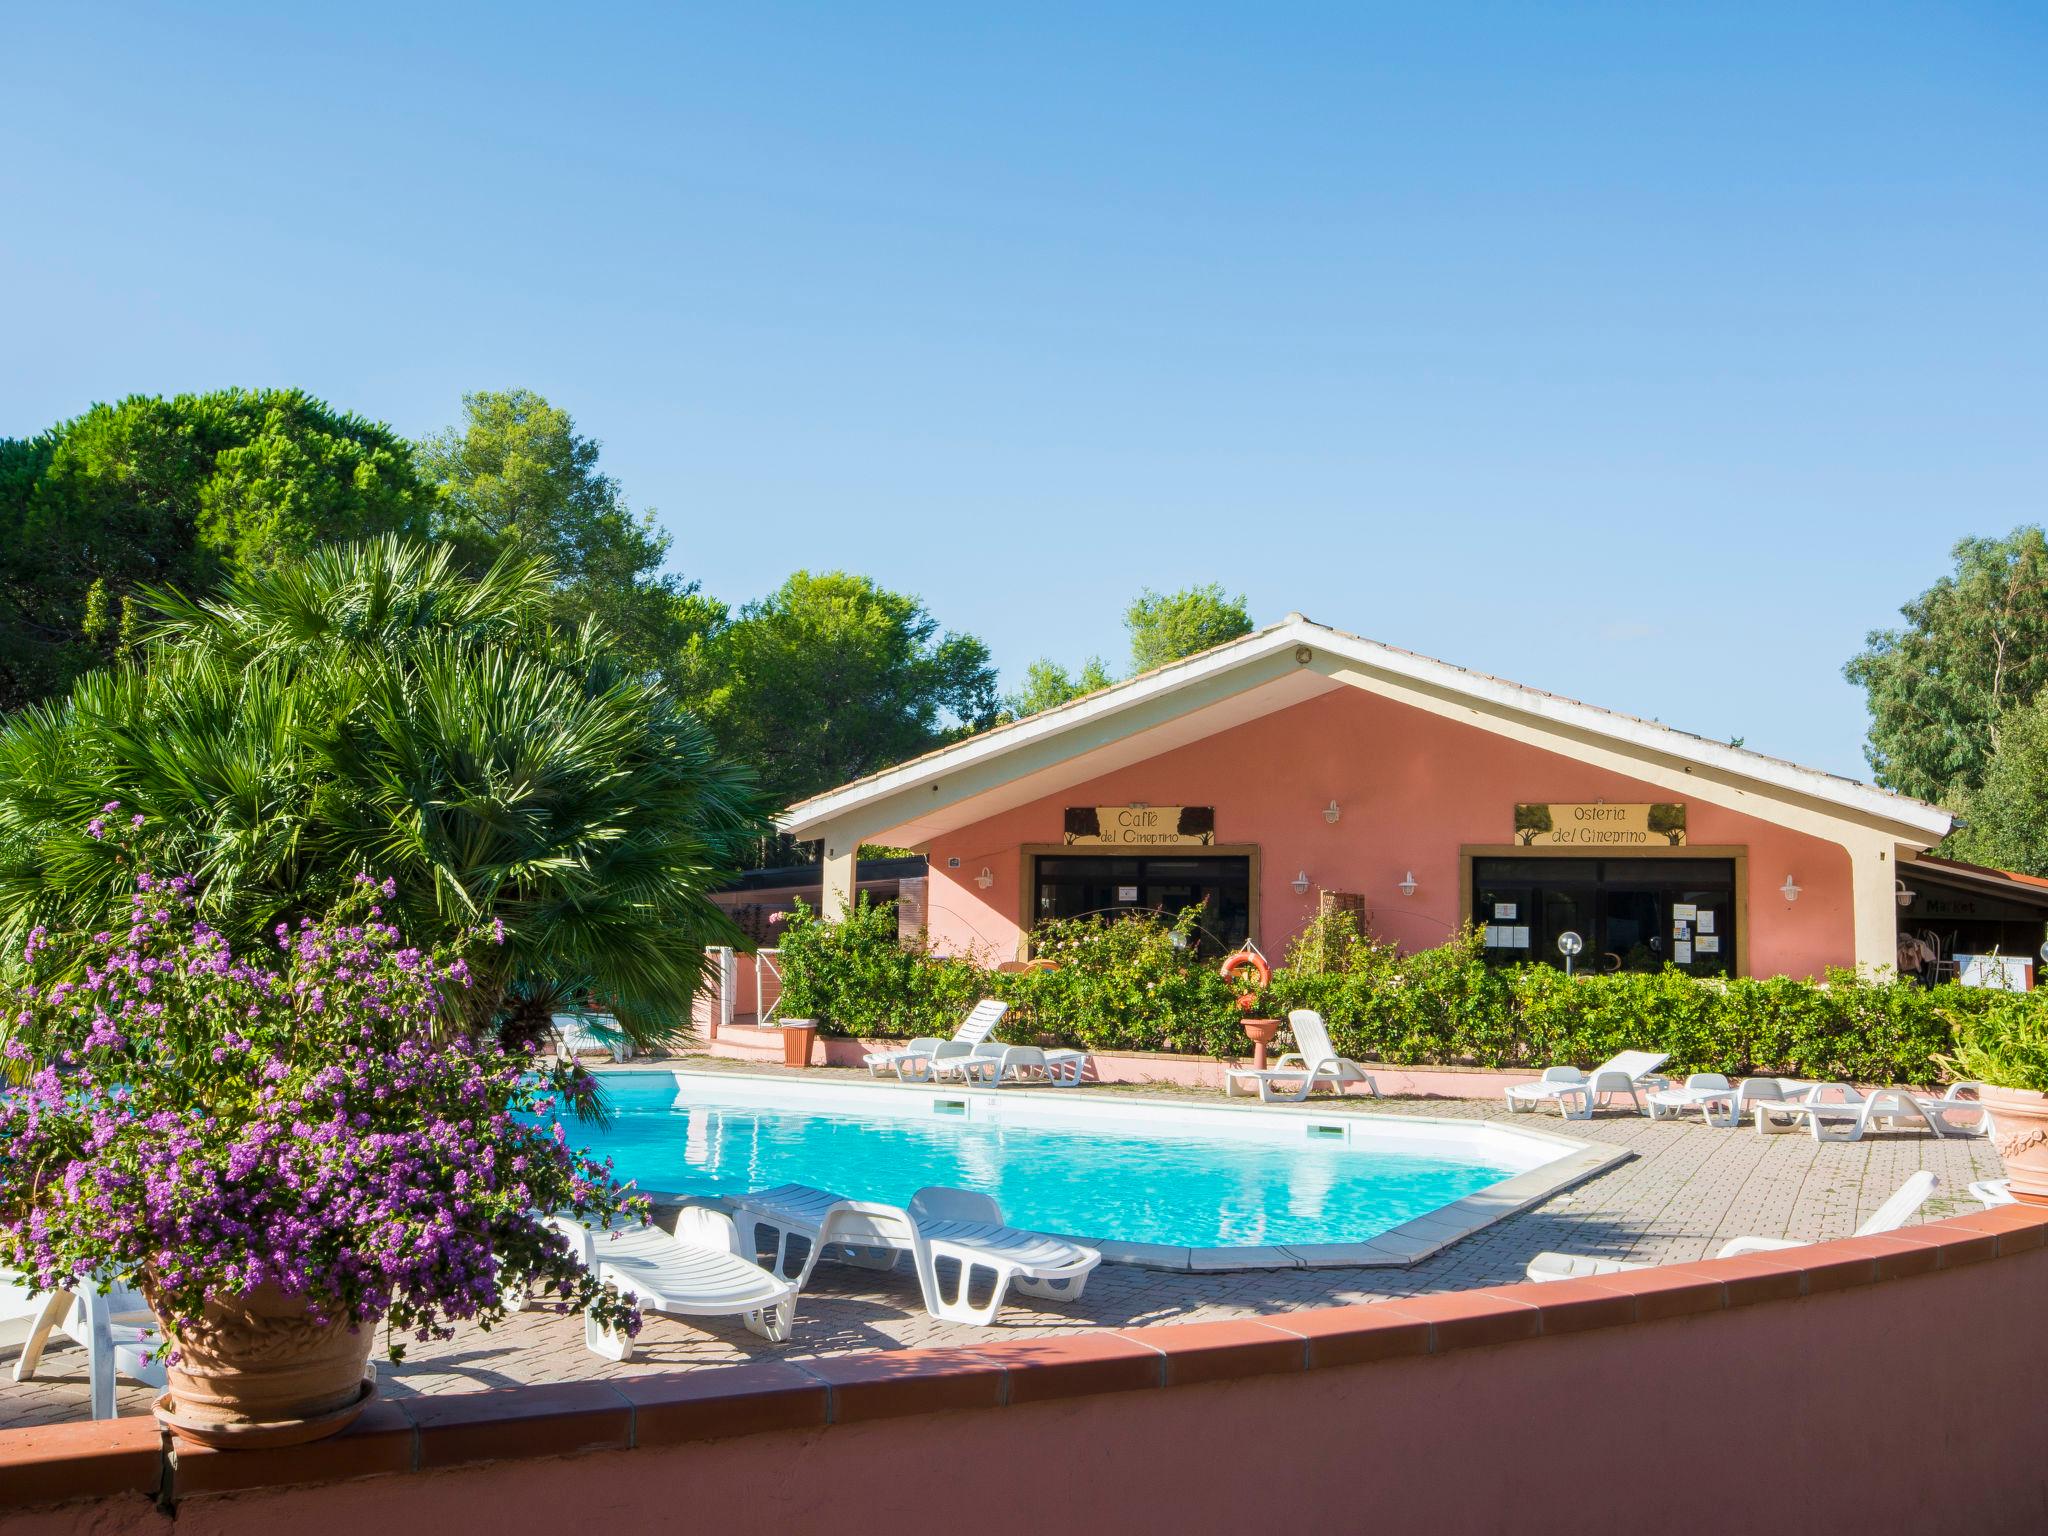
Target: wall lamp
[(1904, 896), (1406, 884), (1300, 883), (1331, 812), (986, 878), (1790, 889)]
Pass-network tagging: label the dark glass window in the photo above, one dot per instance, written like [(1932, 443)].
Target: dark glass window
[(1071, 885), (1630, 914)]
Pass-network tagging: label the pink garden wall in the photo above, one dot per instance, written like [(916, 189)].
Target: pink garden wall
[(1887, 1383), (1413, 789)]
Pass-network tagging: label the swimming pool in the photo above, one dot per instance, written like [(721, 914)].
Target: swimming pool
[(1180, 1185)]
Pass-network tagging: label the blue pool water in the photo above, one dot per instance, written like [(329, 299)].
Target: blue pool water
[(1144, 1184)]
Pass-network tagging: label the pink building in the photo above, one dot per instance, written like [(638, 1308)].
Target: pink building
[(1301, 765)]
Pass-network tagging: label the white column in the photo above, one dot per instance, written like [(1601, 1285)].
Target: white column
[(839, 856), (1873, 892)]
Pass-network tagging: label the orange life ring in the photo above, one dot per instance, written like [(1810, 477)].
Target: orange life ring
[(1242, 959)]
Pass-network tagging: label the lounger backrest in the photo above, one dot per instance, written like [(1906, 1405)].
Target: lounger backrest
[(698, 1226), (1633, 1064), (15, 1300), (938, 1203), (1898, 1210), (1311, 1035), (857, 1221), (1708, 1080), (1563, 1075), (981, 1020)]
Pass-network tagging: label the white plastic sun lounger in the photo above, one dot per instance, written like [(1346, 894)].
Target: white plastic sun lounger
[(1840, 1112), (116, 1330), (700, 1271), (1889, 1217), (914, 1062), (1961, 1098), (1566, 1086), (1300, 1071), (953, 1226), (992, 1064), (1707, 1092), (1720, 1103), (1992, 1193), (581, 1033)]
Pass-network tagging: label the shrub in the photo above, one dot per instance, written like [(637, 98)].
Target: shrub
[(1136, 983), (197, 1123), (2003, 1043), (1130, 984), (855, 977)]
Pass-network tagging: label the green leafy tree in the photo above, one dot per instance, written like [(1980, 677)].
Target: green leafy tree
[(1167, 626), (378, 707), (1047, 684), (2006, 817), (184, 492), (517, 478), (1973, 649), (831, 677)]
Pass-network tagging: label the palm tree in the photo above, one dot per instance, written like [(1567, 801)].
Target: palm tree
[(376, 708)]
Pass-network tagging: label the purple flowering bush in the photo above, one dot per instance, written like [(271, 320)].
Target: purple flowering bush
[(196, 1122)]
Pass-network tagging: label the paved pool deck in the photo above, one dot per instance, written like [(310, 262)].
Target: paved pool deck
[(1687, 1189)]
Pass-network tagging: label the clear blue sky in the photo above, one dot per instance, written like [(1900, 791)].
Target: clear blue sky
[(1649, 354)]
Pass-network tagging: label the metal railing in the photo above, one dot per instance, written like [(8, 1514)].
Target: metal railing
[(764, 1011)]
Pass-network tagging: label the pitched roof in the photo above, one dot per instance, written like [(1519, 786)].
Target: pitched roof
[(808, 816)]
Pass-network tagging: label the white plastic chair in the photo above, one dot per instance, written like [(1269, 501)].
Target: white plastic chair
[(116, 1330), (1316, 1061), (1992, 1193), (1625, 1073), (915, 1060), (1903, 1205), (699, 1271)]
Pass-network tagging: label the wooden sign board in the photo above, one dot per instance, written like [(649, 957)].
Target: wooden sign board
[(1600, 825), (1140, 826)]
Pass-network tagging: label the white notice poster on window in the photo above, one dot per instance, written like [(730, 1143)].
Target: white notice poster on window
[(1503, 911), (1707, 922), (1518, 938), (1681, 953), (1710, 944), (1684, 911), (1127, 893)]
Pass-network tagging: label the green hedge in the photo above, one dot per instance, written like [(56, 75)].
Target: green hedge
[(1137, 985)]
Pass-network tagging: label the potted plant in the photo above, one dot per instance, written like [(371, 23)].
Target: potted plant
[(2004, 1049), (280, 1152), (1248, 968), (806, 995)]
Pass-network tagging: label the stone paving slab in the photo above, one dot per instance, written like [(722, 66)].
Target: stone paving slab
[(1688, 1189)]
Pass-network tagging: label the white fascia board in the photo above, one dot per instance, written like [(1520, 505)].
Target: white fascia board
[(810, 817)]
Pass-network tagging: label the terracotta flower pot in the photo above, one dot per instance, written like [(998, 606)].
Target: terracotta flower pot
[(1261, 1033), (2019, 1119), (256, 1370), (797, 1035)]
